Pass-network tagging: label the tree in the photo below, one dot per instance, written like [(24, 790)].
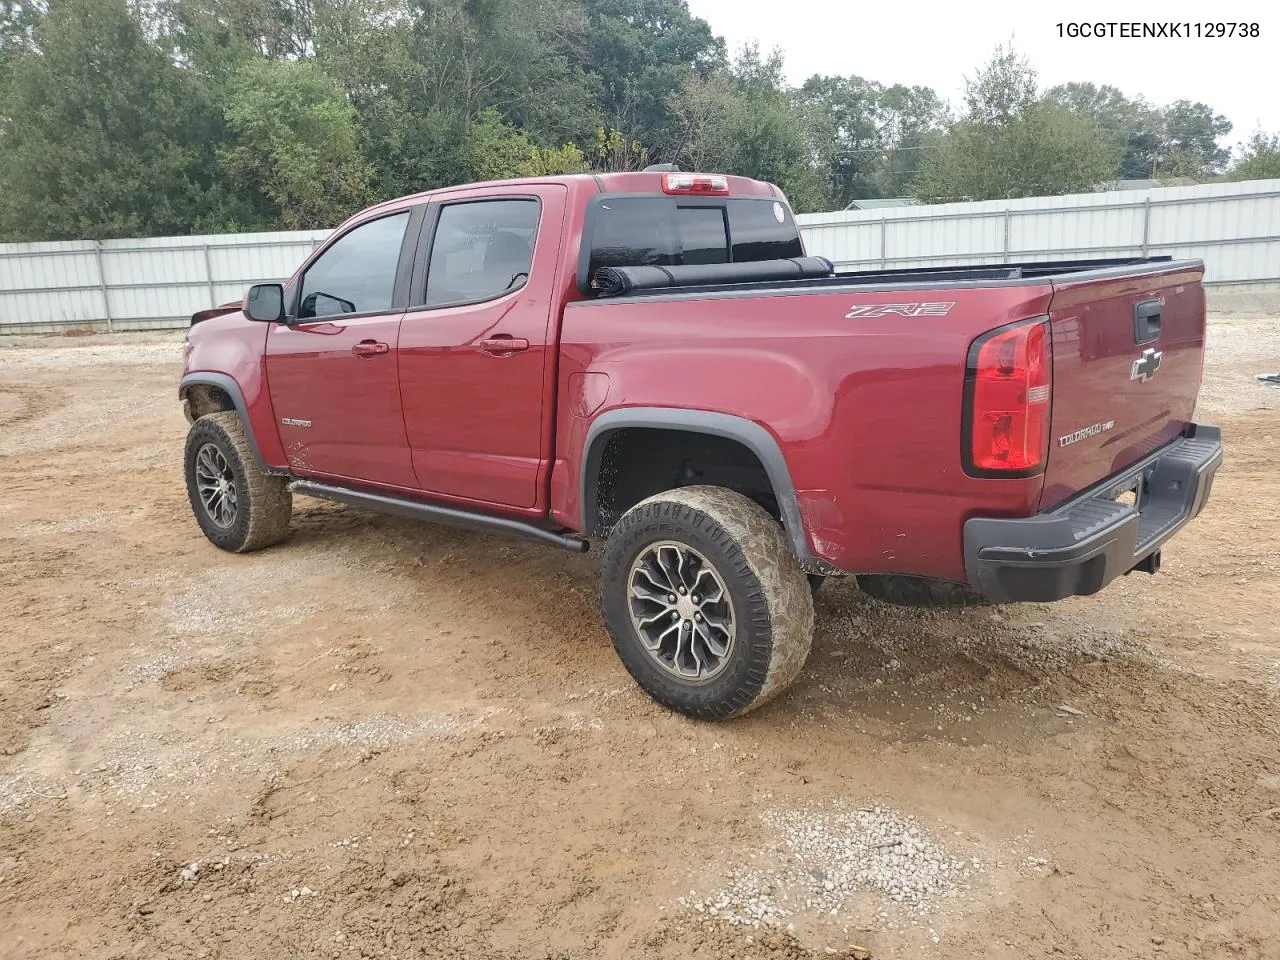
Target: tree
[(1135, 126), (1055, 151), (643, 52), (1191, 132), (614, 153), (167, 116), (419, 73), (745, 121), (219, 34), (102, 135), (18, 20), (498, 151), (552, 161), (1011, 143), (1180, 140), (17, 38), (519, 56), (1260, 159), (1003, 90), (874, 135), (1046, 151), (771, 135), (701, 110), (914, 118), (295, 142)]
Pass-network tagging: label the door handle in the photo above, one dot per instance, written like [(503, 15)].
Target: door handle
[(369, 348), (504, 344)]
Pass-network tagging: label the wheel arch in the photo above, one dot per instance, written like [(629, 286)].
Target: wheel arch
[(227, 386), (751, 435)]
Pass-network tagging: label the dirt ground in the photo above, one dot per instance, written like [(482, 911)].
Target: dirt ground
[(390, 740)]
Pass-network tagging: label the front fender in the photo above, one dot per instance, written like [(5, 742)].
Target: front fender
[(226, 352), (231, 389)]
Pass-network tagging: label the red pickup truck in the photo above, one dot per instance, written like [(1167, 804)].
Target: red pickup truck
[(650, 358)]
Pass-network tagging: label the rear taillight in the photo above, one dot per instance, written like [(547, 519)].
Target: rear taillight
[(700, 184), (1008, 385)]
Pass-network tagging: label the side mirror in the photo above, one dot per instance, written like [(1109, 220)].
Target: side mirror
[(265, 303)]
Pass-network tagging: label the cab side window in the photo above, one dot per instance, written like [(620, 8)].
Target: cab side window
[(357, 274), (481, 250)]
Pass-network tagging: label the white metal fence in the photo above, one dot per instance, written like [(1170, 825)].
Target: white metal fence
[(137, 284), (1233, 227)]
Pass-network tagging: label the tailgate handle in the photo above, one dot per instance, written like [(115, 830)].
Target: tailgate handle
[(1146, 321)]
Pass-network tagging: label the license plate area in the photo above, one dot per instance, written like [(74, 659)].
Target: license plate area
[(1131, 492)]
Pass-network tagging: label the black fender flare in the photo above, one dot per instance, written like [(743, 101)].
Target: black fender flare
[(750, 434), (232, 389)]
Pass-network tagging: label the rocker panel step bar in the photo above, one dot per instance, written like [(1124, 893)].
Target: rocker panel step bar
[(431, 513)]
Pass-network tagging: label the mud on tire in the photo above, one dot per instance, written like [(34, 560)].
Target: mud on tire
[(768, 599), (250, 509)]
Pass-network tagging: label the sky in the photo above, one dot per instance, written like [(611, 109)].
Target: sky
[(937, 44)]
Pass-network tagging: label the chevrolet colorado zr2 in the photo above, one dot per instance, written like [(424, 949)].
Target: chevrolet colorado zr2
[(650, 359)]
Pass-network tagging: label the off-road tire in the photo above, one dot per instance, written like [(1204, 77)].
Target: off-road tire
[(264, 503), (905, 591), (772, 602)]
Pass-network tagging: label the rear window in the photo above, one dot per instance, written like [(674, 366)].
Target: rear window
[(675, 231)]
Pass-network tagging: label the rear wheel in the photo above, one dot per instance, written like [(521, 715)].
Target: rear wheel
[(706, 604), (238, 507)]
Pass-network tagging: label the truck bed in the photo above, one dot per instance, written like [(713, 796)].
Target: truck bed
[(984, 274)]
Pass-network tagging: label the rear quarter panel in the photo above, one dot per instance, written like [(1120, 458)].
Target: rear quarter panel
[(866, 410)]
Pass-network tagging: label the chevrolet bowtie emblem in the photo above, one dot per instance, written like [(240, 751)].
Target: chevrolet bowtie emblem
[(1147, 366)]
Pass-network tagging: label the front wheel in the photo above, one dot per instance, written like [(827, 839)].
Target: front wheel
[(706, 604), (238, 507)]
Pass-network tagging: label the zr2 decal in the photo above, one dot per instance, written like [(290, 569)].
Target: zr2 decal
[(872, 311)]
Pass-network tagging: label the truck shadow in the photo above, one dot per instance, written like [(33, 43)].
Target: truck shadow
[(964, 676)]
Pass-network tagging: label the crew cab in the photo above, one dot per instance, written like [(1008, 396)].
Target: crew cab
[(650, 360)]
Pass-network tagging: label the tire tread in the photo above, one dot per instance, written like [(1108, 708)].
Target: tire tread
[(269, 502), (779, 599)]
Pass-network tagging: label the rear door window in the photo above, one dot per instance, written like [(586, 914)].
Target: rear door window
[(482, 249)]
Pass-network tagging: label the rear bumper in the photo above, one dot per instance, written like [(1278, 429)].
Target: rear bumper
[(1079, 547)]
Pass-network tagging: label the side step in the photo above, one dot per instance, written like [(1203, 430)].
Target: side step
[(430, 513)]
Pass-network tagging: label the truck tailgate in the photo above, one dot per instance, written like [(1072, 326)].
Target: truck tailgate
[(1128, 356)]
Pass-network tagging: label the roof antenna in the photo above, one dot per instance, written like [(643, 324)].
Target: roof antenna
[(675, 157), (673, 166)]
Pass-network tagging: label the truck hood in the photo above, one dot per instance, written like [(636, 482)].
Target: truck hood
[(216, 312)]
